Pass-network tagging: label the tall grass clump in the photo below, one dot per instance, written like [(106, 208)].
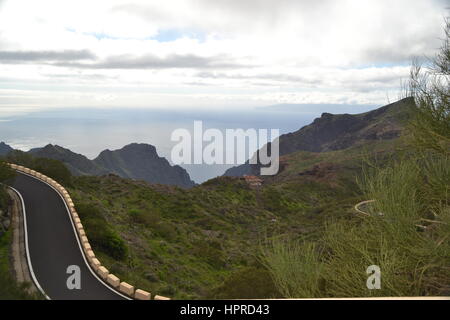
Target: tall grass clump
[(436, 188), (407, 214), (295, 267), (407, 235), (351, 249)]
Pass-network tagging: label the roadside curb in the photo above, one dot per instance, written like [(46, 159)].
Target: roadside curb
[(19, 263)]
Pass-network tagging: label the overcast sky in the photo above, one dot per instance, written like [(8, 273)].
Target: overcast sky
[(210, 53)]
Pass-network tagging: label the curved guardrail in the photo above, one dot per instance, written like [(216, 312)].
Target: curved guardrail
[(357, 208), (109, 278), (363, 203)]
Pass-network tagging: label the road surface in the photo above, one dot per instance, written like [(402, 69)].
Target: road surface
[(53, 245)]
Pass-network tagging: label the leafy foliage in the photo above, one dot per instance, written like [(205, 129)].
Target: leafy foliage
[(100, 234), (5, 174), (247, 283)]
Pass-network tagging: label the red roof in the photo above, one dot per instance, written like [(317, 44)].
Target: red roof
[(252, 179)]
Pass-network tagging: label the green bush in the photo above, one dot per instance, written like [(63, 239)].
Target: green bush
[(136, 216), (294, 266), (144, 217), (247, 283), (5, 174), (100, 233), (208, 252), (52, 168), (165, 230), (4, 199), (113, 245), (20, 158), (276, 201)]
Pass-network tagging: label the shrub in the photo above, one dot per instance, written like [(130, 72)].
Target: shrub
[(165, 230), (136, 216), (144, 217), (20, 158), (207, 251), (247, 283), (294, 267), (6, 173), (113, 245), (4, 199), (100, 233), (54, 169)]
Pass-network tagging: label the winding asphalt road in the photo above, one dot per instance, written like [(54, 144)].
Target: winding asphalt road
[(53, 245)]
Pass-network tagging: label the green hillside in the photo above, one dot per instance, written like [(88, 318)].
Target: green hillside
[(297, 235), (203, 242)]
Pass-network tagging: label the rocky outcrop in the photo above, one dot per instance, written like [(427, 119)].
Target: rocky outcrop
[(336, 132), (141, 162)]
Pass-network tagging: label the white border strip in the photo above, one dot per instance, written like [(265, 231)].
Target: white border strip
[(30, 267), (76, 236)]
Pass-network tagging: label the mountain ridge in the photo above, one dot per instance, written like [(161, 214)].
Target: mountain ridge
[(133, 161), (77, 163), (333, 132), (5, 149), (127, 162)]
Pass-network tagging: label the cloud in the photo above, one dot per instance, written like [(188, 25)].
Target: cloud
[(38, 56), (282, 77), (173, 61), (268, 10), (251, 51), (314, 77), (224, 16), (81, 76)]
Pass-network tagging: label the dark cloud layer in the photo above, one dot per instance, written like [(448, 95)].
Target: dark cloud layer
[(402, 51), (266, 76), (85, 59), (154, 62), (43, 56), (263, 8)]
